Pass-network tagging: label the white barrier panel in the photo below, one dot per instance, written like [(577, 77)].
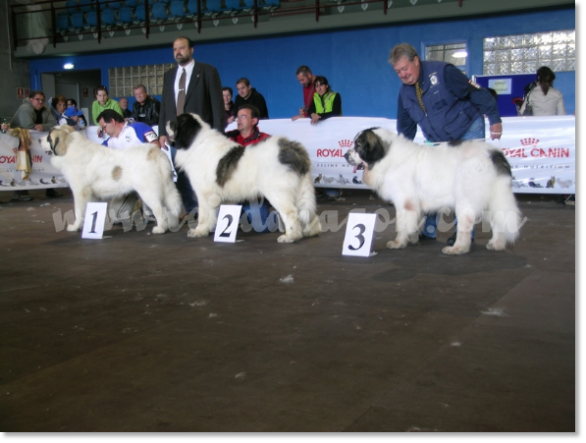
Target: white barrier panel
[(541, 150), (43, 175)]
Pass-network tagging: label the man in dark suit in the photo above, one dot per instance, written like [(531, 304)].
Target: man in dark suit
[(195, 88)]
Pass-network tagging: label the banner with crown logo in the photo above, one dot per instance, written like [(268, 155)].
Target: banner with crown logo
[(541, 151)]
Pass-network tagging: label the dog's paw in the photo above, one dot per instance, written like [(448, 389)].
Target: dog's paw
[(455, 250), (312, 229), (158, 230), (495, 246), (413, 239), (197, 232), (73, 228), (286, 239), (396, 244)]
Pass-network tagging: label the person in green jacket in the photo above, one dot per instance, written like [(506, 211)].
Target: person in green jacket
[(326, 103), (102, 103)]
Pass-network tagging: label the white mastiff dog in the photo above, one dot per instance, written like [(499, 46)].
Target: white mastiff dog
[(96, 172), (472, 177), (221, 170)]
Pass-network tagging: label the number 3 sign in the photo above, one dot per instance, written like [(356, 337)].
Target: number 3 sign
[(228, 222), (358, 237)]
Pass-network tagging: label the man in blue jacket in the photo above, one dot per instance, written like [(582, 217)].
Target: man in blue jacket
[(445, 103)]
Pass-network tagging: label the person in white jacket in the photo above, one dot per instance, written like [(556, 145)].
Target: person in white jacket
[(543, 98)]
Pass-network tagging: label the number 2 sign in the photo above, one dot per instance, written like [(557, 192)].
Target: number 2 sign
[(358, 237), (228, 222)]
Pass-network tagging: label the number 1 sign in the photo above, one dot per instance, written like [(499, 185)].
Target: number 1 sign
[(228, 222), (94, 220), (358, 237)]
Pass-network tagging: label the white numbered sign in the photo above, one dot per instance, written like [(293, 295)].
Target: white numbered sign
[(227, 224), (94, 220), (359, 232)]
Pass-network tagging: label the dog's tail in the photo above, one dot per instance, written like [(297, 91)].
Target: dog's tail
[(505, 216), (173, 199), (171, 195), (307, 206)]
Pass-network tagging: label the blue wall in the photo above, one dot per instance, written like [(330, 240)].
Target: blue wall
[(354, 61)]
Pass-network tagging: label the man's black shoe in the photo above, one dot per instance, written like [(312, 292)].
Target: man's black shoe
[(424, 238), (51, 193)]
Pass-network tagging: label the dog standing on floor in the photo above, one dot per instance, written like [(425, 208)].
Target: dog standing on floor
[(94, 171), (221, 170), (470, 176)]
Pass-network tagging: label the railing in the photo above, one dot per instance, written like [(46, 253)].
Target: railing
[(58, 20)]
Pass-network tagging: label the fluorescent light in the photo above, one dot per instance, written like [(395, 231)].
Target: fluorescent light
[(68, 66), (460, 54)]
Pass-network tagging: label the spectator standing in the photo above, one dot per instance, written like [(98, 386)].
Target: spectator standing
[(307, 80), (102, 103), (250, 96), (145, 109), (447, 106), (247, 134), (190, 87), (229, 106), (543, 98), (123, 102), (34, 115), (326, 103)]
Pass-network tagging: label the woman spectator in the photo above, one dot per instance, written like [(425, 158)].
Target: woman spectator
[(544, 99), (229, 106), (102, 103), (57, 105), (326, 103)]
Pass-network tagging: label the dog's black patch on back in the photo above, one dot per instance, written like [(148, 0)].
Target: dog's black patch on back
[(501, 164), (369, 146), (228, 164), (455, 143), (294, 155), (185, 129)]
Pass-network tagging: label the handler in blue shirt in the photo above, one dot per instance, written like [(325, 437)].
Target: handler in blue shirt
[(445, 103)]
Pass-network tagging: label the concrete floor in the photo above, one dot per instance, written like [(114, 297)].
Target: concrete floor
[(166, 333)]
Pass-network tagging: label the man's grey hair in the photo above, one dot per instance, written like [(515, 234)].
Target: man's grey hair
[(403, 50), (140, 86)]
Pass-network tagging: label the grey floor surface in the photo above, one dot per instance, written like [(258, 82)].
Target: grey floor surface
[(140, 332)]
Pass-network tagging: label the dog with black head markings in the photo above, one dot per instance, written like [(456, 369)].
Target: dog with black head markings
[(220, 170), (94, 172), (471, 177)]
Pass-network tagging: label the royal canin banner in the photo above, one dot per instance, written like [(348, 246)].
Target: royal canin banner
[(541, 151)]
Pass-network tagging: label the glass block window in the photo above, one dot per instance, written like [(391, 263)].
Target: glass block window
[(455, 53), (123, 80), (525, 53)]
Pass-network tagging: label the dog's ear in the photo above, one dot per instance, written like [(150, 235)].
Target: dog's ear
[(67, 129), (57, 139), (186, 131), (370, 147)]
